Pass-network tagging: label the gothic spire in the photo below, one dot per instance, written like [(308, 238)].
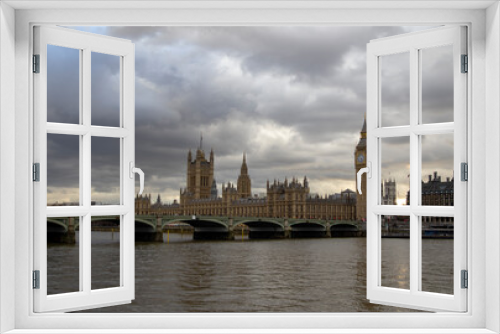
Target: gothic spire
[(363, 129), (244, 168)]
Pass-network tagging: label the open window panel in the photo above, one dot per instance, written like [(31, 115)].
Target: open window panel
[(73, 133), (416, 126)]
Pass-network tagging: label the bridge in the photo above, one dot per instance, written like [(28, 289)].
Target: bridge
[(151, 227)]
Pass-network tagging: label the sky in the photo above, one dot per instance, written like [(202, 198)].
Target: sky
[(292, 98)]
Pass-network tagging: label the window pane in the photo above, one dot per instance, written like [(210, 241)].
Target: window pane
[(105, 252), (395, 262), (437, 170), (437, 254), (63, 84), (395, 170), (105, 171), (395, 89), (437, 84), (63, 255), (105, 89), (63, 170)]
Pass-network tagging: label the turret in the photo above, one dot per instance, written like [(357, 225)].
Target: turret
[(213, 190), (244, 185), (244, 168), (200, 173)]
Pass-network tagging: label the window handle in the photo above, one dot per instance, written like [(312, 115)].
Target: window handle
[(368, 172), (135, 170)]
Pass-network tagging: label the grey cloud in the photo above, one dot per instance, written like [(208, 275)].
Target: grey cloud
[(293, 98)]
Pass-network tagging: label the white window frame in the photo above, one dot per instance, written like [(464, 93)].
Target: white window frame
[(86, 44), (412, 44), (482, 18)]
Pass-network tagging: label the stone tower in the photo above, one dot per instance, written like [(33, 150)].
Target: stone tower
[(200, 174), (388, 194), (244, 186), (360, 162), (213, 190)]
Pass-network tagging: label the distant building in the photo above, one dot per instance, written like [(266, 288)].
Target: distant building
[(388, 192), (436, 192), (200, 176), (244, 183), (288, 199), (214, 193), (143, 204)]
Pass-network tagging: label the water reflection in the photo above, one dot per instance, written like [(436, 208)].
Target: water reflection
[(292, 275)]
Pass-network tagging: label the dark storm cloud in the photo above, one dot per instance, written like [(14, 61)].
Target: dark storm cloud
[(62, 162), (63, 85), (293, 98), (105, 89)]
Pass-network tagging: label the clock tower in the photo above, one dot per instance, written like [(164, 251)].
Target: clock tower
[(360, 162)]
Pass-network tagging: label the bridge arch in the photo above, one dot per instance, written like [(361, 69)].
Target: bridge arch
[(344, 230), (344, 226), (259, 222), (262, 228), (55, 225), (308, 229), (114, 219), (200, 223), (308, 223), (144, 225)]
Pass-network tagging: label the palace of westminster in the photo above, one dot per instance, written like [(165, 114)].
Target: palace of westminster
[(288, 199)]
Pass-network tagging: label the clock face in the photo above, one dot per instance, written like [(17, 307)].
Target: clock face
[(361, 158)]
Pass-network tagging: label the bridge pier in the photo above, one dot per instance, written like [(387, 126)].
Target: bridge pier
[(158, 235), (152, 233), (67, 237), (288, 230), (328, 231), (230, 230)]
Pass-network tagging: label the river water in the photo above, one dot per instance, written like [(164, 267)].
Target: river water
[(288, 275)]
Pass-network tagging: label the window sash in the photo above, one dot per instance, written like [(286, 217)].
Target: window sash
[(412, 43), (86, 297)]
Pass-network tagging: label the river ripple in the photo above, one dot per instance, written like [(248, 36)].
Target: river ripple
[(292, 275)]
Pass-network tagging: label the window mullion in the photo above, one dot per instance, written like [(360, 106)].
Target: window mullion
[(85, 167), (414, 171)]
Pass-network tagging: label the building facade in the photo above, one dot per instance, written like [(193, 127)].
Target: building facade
[(200, 176), (288, 199), (436, 192), (388, 192)]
